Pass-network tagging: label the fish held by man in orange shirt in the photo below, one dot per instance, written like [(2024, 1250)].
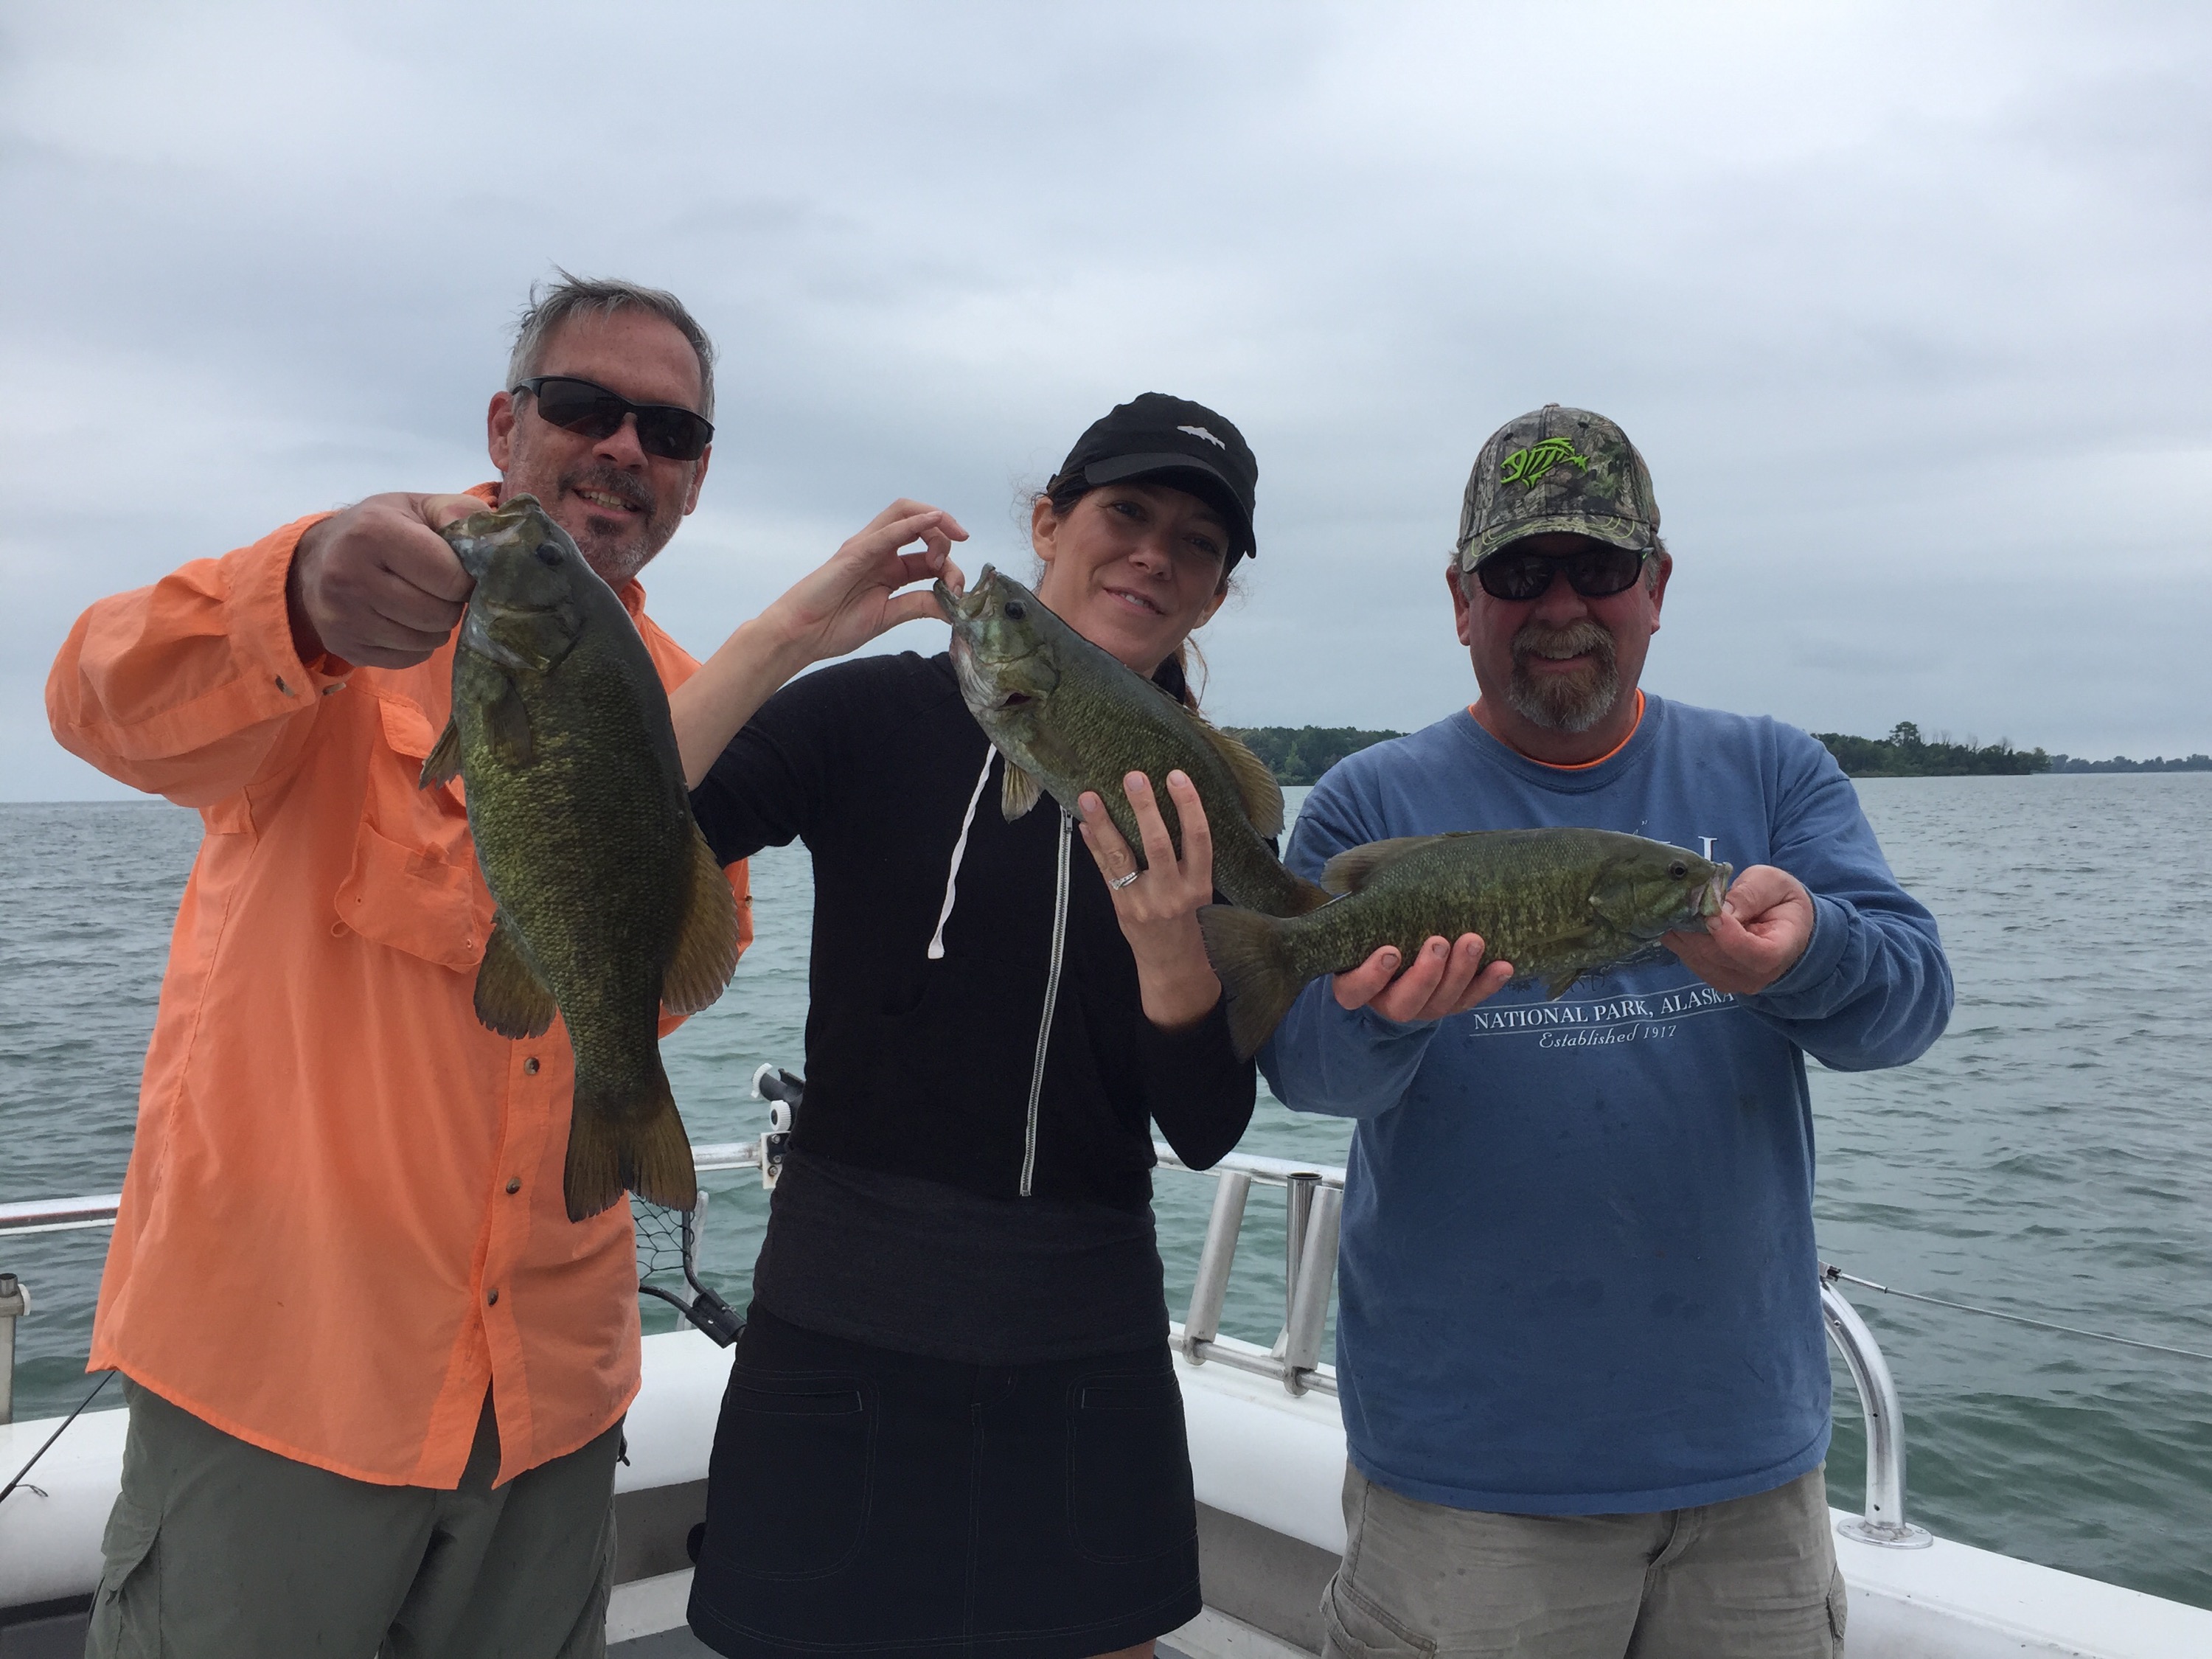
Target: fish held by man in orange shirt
[(610, 905)]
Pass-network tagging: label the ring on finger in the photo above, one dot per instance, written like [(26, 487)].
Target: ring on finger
[(1119, 882)]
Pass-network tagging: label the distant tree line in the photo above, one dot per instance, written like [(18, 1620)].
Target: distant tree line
[(2121, 763), (1300, 754), (1905, 754)]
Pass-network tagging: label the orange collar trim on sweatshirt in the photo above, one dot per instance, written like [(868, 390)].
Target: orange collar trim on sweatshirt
[(1584, 766)]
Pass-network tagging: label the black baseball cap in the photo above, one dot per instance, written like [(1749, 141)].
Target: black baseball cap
[(1185, 444)]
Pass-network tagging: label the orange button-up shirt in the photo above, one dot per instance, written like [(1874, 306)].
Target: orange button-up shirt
[(343, 1220)]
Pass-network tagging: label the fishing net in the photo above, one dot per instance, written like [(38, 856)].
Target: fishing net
[(661, 1245), (668, 1253)]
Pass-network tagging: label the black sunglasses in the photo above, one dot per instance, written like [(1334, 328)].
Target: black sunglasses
[(1593, 572), (574, 405)]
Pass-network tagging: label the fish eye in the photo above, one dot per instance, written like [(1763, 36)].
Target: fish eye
[(546, 556), (1015, 610), (1678, 869)]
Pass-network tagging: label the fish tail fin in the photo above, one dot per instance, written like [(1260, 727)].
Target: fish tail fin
[(1251, 954), (627, 1135)]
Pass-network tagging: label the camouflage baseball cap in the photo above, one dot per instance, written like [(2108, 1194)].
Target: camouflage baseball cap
[(1557, 469)]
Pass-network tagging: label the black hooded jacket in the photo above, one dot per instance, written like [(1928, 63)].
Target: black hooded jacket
[(927, 1065)]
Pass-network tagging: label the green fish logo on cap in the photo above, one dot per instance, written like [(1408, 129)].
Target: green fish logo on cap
[(1526, 466)]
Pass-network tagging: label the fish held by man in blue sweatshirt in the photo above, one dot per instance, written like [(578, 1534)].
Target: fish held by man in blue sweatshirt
[(1560, 905)]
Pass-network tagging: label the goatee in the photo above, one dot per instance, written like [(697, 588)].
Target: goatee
[(1565, 703), (618, 547)]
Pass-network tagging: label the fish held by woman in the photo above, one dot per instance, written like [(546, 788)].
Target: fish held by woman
[(1067, 716), (1560, 905), (610, 906)]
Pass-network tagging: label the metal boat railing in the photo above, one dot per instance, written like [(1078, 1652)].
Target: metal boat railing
[(1313, 1197)]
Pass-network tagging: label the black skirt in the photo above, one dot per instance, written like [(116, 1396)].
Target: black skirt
[(864, 1500)]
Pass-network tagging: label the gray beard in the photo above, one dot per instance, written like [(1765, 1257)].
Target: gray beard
[(619, 558), (1558, 703)]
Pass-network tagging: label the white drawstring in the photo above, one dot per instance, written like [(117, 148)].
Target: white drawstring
[(959, 851)]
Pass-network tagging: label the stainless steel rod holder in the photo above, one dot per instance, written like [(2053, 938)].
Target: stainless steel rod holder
[(1317, 1277), (15, 1302), (1207, 1291), (1298, 1209), (1884, 1522)]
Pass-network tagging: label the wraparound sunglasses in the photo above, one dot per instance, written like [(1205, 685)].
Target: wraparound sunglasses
[(579, 406), (1595, 573)]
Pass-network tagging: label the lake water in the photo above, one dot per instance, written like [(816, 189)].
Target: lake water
[(2052, 1156)]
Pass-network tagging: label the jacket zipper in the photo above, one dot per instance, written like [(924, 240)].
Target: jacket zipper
[(1051, 1000)]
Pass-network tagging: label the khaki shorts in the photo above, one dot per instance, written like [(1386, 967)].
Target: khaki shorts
[(219, 1550), (1752, 1578)]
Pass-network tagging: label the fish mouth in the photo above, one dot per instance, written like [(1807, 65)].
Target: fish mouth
[(1715, 890), (965, 607), (475, 538)]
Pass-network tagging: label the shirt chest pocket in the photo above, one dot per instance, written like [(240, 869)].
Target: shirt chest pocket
[(413, 884)]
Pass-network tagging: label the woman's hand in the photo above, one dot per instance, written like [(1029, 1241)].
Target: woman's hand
[(848, 602), (1159, 910), (855, 595)]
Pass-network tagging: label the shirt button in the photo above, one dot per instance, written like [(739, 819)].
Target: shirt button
[(492, 1298), (530, 1066), (514, 1183)]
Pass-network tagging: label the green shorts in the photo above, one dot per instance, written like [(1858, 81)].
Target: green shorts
[(217, 1549)]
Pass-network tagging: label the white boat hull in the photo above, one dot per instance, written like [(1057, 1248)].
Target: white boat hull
[(1268, 1469)]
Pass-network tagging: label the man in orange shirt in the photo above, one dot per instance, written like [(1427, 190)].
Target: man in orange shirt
[(376, 1377)]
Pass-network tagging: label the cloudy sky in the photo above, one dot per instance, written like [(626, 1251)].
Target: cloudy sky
[(1906, 305)]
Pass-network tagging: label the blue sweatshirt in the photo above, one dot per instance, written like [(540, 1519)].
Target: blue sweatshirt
[(1578, 1268)]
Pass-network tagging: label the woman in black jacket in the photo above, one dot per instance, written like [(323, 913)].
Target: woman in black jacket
[(952, 1423)]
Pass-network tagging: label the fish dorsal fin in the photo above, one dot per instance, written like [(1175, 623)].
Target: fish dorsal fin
[(1018, 791), (705, 953), (1255, 781), (444, 764), (510, 1000), (1354, 867)]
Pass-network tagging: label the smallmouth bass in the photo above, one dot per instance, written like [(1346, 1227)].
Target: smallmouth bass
[(1560, 905), (610, 905), (1067, 716)]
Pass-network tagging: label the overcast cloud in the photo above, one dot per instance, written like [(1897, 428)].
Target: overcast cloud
[(1905, 305)]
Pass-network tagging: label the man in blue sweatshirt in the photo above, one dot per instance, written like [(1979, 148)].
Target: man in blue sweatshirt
[(1584, 1382)]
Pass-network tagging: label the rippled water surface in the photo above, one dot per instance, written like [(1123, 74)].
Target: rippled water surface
[(2052, 1156)]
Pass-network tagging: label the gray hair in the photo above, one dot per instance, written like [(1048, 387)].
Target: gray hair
[(582, 296)]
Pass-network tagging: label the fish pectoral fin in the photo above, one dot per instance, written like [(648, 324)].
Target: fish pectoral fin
[(1020, 791), (1255, 782), (1355, 866), (444, 762), (1562, 983), (510, 1000), (705, 953), (506, 727)]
